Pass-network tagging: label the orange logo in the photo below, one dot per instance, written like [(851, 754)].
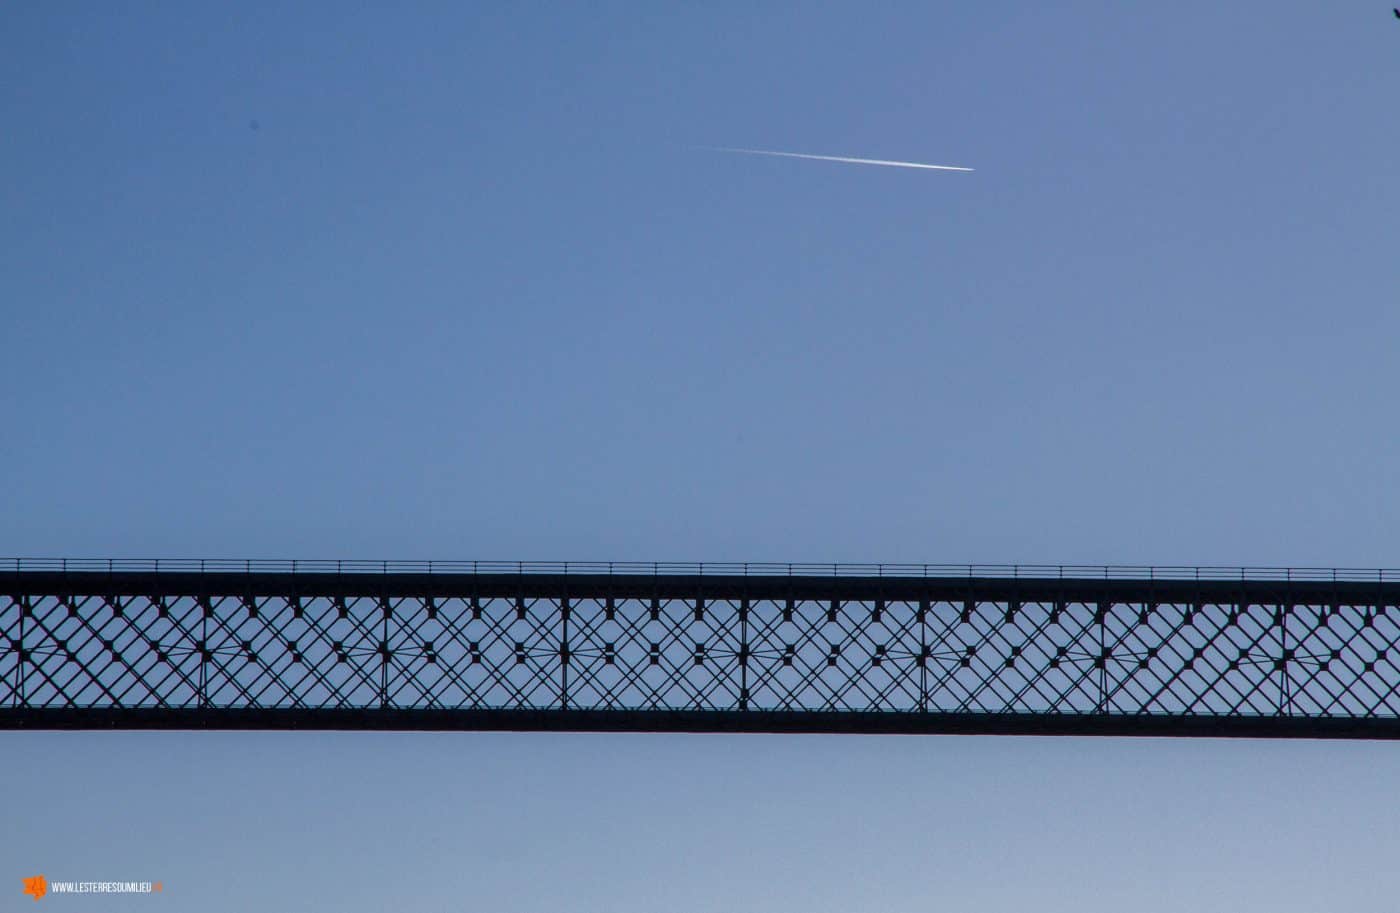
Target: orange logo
[(37, 886)]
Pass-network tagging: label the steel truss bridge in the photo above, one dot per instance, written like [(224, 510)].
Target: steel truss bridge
[(699, 648)]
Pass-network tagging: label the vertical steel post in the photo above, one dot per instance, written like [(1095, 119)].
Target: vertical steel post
[(1101, 611), (384, 654), (744, 653), (564, 653), (20, 699), (923, 654), (203, 650)]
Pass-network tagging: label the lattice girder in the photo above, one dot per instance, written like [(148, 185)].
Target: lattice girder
[(691, 651)]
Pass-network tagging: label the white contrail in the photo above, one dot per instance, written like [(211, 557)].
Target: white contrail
[(840, 158)]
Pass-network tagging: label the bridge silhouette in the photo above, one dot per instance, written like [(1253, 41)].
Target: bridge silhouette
[(1030, 650)]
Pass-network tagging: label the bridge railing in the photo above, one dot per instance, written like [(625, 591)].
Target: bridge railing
[(702, 568)]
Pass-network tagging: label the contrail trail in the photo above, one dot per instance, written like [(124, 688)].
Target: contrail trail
[(840, 158)]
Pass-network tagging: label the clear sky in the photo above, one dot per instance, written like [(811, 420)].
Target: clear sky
[(461, 281)]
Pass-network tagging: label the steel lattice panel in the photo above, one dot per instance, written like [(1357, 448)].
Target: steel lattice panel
[(658, 652)]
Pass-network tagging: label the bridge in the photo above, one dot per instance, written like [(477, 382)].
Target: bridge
[(1030, 650)]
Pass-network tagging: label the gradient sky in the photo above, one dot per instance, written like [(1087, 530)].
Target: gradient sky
[(462, 281)]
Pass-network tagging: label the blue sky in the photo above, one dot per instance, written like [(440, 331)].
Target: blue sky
[(460, 281), (471, 290), (603, 823)]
